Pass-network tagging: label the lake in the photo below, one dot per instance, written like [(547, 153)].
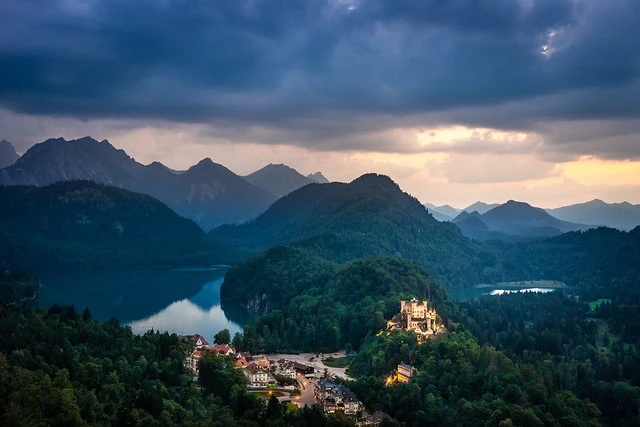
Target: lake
[(471, 293), (182, 301)]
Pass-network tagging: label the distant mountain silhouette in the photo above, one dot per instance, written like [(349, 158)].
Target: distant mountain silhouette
[(512, 221), (442, 213), (208, 193), (81, 224), (623, 216), (318, 177), (278, 179), (522, 219), (8, 155), (369, 216), (481, 207)]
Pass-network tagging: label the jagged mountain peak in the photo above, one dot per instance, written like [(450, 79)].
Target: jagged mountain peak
[(8, 155), (204, 162), (208, 192), (206, 167), (318, 177), (278, 179)]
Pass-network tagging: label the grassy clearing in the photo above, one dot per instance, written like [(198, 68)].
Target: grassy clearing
[(291, 407), (595, 304), (525, 284), (337, 362), (266, 394)]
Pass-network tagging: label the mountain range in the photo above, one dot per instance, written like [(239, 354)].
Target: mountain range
[(8, 155), (211, 194), (623, 216), (513, 221), (207, 192), (447, 212)]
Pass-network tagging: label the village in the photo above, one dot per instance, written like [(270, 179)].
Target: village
[(303, 379)]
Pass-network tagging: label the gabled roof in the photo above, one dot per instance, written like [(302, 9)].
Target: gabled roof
[(194, 338), (223, 348), (255, 369), (198, 353), (242, 362), (301, 367)]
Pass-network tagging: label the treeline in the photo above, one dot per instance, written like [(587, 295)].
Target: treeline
[(60, 367), (593, 349), (459, 382), (321, 306), (17, 285)]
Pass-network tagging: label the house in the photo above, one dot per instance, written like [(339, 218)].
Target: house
[(256, 375), (242, 363), (405, 372), (262, 361), (245, 355), (377, 417), (224, 350), (305, 370), (197, 339), (191, 361), (285, 368), (336, 397)]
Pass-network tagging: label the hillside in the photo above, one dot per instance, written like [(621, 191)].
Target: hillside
[(78, 224), (473, 227), (208, 193), (623, 216), (8, 155), (310, 304), (369, 216), (279, 179), (600, 262)]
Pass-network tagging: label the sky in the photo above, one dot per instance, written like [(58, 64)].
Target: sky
[(457, 100)]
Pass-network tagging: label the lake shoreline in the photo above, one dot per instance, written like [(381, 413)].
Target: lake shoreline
[(524, 284)]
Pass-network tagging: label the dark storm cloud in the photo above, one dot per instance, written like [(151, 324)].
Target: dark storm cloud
[(322, 72)]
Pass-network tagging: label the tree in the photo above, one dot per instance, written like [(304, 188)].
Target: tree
[(222, 337), (237, 340)]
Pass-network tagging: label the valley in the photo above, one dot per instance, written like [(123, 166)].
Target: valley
[(534, 329)]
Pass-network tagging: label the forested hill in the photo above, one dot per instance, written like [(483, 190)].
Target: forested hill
[(601, 262), (76, 224), (311, 304), (369, 216)]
